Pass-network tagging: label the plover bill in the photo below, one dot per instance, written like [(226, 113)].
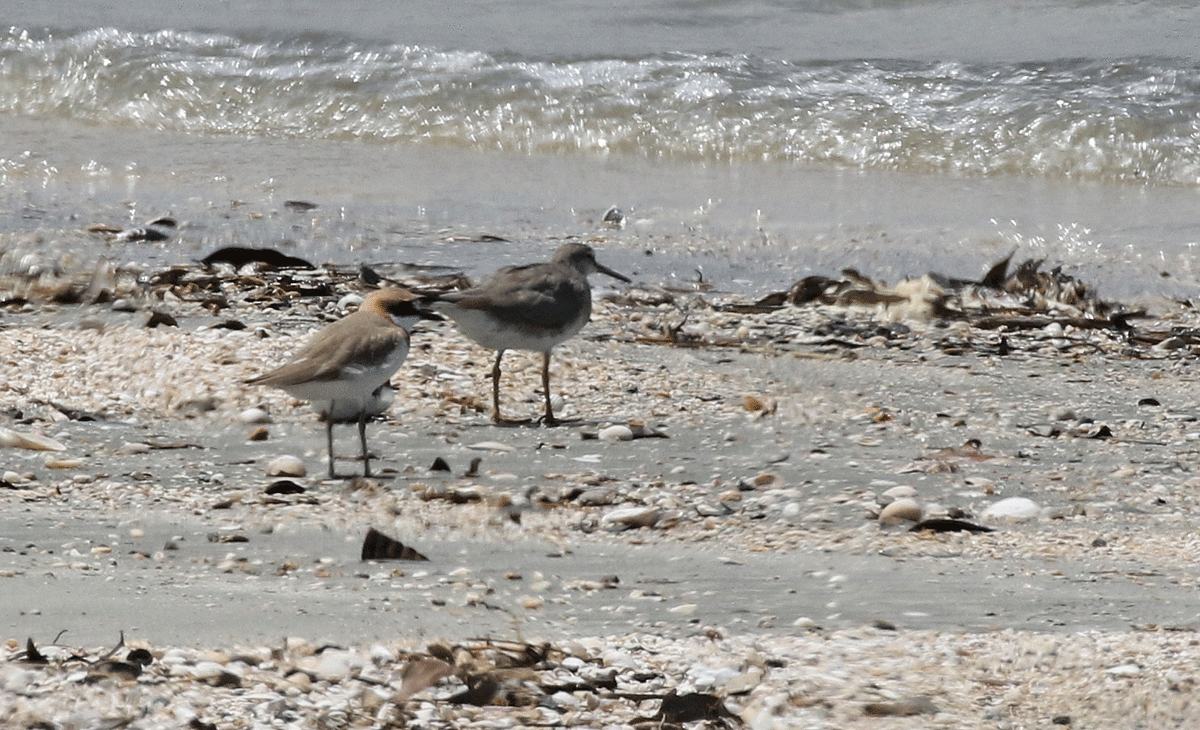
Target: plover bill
[(532, 307), (343, 371)]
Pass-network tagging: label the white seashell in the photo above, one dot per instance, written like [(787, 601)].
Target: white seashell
[(744, 682), (132, 448), (618, 432), (302, 681), (350, 300), (30, 441), (1124, 670), (254, 415), (205, 670), (56, 463), (630, 517), (1013, 509), (286, 466), (490, 446), (905, 509), (563, 700), (983, 484), (705, 678), (335, 665), (1171, 343)]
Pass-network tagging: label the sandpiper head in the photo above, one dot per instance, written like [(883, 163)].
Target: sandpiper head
[(582, 258)]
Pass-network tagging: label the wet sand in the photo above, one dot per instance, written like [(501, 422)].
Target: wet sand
[(746, 229)]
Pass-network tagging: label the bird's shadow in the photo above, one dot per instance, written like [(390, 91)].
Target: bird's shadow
[(533, 423), (351, 477)]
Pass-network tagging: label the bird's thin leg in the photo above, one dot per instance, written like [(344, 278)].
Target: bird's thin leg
[(496, 388), (549, 419), (329, 437), (362, 437)]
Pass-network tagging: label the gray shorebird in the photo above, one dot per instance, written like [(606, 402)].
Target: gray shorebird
[(343, 371), (532, 307)]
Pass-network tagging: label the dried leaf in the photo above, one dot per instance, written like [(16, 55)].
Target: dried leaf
[(479, 692), (945, 524), (32, 655), (694, 707), (284, 486)]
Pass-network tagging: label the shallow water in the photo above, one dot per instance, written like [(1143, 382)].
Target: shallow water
[(747, 228)]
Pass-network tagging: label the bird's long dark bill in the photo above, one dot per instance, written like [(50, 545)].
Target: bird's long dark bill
[(605, 270)]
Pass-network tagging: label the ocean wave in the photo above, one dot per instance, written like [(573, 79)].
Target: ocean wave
[(1134, 119)]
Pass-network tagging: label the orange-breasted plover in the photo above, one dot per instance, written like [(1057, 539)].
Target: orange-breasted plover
[(343, 371), (532, 307)]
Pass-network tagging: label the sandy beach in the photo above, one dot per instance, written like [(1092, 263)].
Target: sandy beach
[(740, 540), (896, 425)]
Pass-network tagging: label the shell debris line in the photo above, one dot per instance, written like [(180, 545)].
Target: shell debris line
[(956, 502), (1012, 679)]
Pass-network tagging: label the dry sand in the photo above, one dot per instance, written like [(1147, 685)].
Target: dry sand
[(762, 498)]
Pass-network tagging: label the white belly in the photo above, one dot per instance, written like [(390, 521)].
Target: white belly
[(497, 334), (341, 411)]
